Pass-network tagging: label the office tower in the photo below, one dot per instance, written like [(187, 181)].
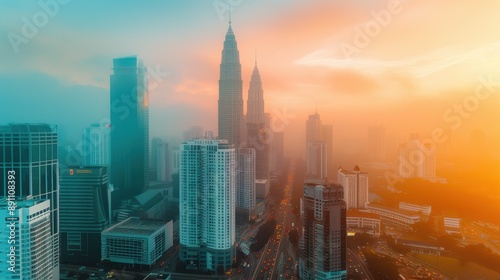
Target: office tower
[(160, 160), (258, 135), (327, 138), (313, 128), (278, 150), (317, 133), (95, 144), (27, 230), (317, 160), (417, 159), (245, 182), (355, 185), (324, 225), (85, 211), (230, 114), (30, 150), (130, 128), (193, 132), (376, 143), (207, 204)]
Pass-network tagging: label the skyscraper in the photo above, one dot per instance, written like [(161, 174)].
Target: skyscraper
[(245, 182), (318, 138), (85, 212), (129, 128), (258, 135), (230, 110), (160, 160), (207, 204), (324, 220), (95, 145), (30, 151), (355, 185), (317, 160)]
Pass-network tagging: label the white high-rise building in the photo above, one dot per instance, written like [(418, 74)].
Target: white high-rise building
[(245, 180), (355, 185), (26, 241), (95, 145), (207, 204)]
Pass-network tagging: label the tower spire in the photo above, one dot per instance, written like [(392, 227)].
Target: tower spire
[(255, 58), (229, 15)]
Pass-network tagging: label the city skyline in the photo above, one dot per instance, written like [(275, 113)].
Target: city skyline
[(400, 77), (156, 121)]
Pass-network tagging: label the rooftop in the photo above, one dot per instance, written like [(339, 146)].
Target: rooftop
[(135, 226)]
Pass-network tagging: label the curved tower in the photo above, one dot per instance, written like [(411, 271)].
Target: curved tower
[(230, 116), (257, 134)]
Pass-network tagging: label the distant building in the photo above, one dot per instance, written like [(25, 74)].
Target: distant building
[(31, 239), (452, 225), (96, 145), (424, 209), (395, 216), (160, 160), (245, 182), (129, 113), (324, 253), (278, 151), (136, 241), (84, 213), (317, 167), (207, 204), (319, 145), (151, 204), (363, 222), (355, 185), (417, 159), (194, 132)]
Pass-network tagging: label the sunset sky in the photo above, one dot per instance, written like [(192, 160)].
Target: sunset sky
[(401, 64)]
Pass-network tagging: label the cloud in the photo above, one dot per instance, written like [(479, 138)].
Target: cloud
[(418, 67)]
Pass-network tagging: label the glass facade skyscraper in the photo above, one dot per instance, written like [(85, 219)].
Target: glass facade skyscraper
[(129, 128), (230, 114), (30, 150)]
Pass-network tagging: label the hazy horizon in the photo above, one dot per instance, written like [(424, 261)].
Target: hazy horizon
[(402, 64)]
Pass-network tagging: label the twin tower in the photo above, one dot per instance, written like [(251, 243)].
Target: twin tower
[(249, 132)]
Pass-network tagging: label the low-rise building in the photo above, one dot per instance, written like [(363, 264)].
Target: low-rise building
[(136, 241)]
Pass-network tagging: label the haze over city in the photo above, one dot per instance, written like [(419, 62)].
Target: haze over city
[(395, 71)]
